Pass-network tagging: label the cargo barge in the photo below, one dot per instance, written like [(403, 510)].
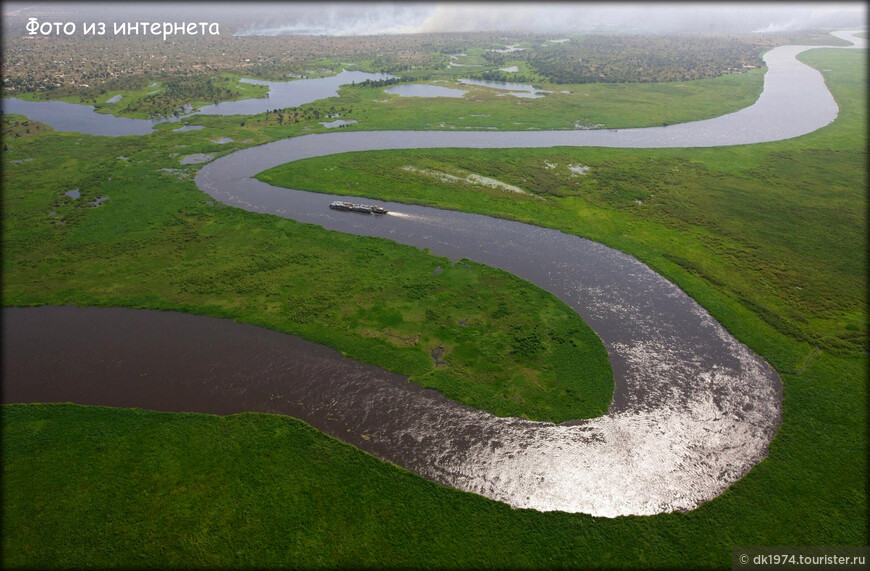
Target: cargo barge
[(364, 208)]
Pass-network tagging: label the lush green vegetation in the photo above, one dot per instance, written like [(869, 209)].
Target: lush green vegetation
[(88, 486), (740, 229), (17, 126), (568, 107), (723, 218), (158, 242), (197, 91)]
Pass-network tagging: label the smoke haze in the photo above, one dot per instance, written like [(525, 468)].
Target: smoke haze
[(354, 19)]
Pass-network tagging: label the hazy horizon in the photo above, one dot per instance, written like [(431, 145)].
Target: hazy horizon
[(380, 18)]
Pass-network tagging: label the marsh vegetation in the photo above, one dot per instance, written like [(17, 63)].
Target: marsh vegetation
[(769, 238)]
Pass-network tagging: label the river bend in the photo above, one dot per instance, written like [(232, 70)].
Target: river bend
[(693, 411)]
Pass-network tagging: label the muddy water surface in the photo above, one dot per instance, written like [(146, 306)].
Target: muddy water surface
[(177, 362), (694, 410)]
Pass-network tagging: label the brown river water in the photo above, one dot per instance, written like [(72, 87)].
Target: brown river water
[(693, 408)]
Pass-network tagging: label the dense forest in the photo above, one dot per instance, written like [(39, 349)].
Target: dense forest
[(505, 76), (303, 113), (177, 90), (632, 59), (386, 82)]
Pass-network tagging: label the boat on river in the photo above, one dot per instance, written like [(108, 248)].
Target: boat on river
[(364, 208)]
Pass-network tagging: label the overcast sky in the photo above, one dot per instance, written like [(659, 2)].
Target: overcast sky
[(357, 18)]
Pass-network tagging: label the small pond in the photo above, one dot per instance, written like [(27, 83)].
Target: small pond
[(515, 89), (196, 159), (424, 90), (339, 123), (188, 128)]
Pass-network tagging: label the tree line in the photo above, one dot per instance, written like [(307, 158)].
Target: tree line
[(634, 59)]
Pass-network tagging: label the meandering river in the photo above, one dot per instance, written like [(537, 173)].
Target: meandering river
[(693, 410), (77, 118)]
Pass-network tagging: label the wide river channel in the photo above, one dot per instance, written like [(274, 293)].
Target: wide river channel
[(693, 409)]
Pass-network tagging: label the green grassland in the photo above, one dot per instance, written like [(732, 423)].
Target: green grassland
[(586, 105), (725, 218), (591, 105), (583, 106), (158, 242), (90, 486), (164, 98), (17, 126), (771, 239)]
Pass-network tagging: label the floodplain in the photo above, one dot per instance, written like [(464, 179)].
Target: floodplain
[(130, 487)]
